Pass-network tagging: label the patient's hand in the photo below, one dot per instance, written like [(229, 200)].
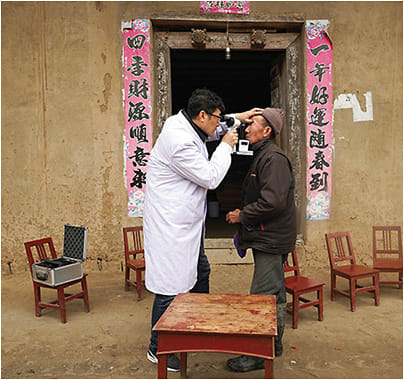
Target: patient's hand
[(233, 216)]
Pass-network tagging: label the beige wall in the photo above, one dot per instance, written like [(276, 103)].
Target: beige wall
[(63, 122)]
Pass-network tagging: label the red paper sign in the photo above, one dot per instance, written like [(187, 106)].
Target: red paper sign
[(239, 7), (138, 111), (319, 120)]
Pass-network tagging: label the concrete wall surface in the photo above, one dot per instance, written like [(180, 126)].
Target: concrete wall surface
[(63, 122)]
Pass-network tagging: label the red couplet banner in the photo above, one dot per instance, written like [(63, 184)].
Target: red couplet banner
[(138, 111), (319, 120)]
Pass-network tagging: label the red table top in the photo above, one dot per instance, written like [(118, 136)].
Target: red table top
[(220, 313)]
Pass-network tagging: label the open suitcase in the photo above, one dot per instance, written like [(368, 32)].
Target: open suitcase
[(54, 272)]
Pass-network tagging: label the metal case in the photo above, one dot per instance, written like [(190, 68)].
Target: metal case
[(68, 268)]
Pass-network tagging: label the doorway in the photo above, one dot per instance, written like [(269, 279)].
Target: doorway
[(243, 82), (267, 76)]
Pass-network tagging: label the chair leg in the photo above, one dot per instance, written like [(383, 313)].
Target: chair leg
[(85, 295), (400, 279), (320, 304), (139, 284), (127, 275), (62, 304), (333, 285), (37, 298), (352, 292), (376, 285), (295, 310)]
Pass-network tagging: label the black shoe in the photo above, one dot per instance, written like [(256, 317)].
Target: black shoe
[(173, 363), (278, 348), (245, 363)]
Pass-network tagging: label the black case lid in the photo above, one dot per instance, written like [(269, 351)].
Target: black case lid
[(75, 242)]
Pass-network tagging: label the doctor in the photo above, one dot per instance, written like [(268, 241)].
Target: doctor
[(178, 176)]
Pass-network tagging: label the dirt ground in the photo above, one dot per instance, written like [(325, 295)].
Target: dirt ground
[(111, 341)]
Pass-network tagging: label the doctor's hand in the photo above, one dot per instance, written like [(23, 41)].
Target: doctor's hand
[(231, 138), (233, 216), (245, 117)]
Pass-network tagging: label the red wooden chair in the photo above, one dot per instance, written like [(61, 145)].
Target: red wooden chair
[(388, 252), (133, 241), (340, 251), (297, 285), (43, 247)]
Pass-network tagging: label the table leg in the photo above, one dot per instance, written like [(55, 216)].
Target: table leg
[(162, 367), (183, 364), (269, 368)]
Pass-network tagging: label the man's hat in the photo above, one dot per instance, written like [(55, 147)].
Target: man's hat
[(274, 116)]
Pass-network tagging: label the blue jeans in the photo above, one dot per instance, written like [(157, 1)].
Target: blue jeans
[(162, 302)]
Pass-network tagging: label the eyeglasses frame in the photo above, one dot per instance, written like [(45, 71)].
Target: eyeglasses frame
[(212, 114)]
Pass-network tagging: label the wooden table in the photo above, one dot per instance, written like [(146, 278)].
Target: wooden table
[(232, 323)]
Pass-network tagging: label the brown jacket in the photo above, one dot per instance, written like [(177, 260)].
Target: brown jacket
[(268, 215)]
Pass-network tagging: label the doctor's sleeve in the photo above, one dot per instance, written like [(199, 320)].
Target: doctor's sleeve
[(188, 162)]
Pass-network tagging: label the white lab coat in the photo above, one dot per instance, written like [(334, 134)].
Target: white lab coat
[(179, 174)]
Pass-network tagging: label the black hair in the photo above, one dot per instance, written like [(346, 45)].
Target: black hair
[(206, 100)]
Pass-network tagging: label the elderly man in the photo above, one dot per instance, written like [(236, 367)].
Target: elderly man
[(267, 220), (178, 177)]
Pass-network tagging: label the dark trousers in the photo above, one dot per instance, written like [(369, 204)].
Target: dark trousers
[(269, 278), (268, 275), (162, 302)]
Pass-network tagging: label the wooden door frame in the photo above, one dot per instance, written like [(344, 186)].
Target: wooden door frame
[(292, 82)]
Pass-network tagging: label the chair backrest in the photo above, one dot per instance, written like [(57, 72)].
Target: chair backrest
[(293, 266), (387, 242), (43, 247), (133, 240), (339, 246)]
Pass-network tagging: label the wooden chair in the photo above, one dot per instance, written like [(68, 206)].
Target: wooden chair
[(297, 285), (133, 241), (43, 247), (340, 250), (388, 252)]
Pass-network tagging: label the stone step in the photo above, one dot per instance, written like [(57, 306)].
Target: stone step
[(222, 251)]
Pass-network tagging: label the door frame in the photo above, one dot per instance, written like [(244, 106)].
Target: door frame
[(169, 34)]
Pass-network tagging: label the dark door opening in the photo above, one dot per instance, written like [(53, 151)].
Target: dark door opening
[(243, 82)]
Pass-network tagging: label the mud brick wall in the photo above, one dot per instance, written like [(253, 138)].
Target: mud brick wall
[(63, 122)]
